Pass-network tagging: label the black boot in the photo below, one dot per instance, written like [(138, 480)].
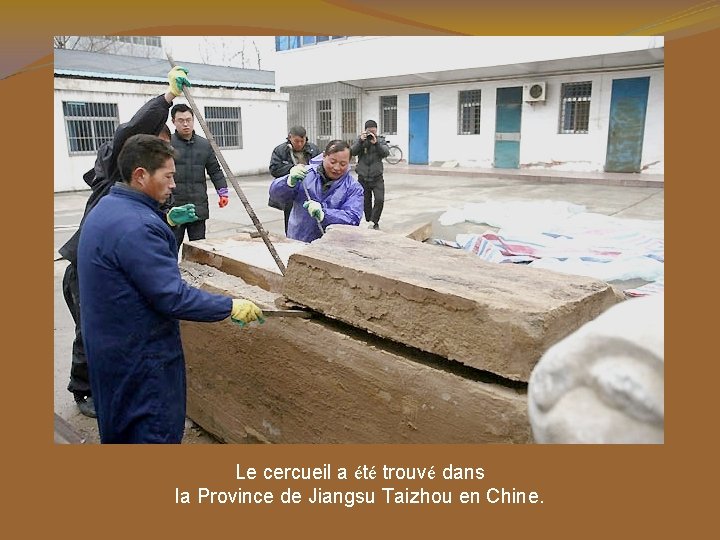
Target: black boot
[(86, 405)]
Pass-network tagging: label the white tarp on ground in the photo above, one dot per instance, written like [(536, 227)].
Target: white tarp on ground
[(519, 215), (563, 237)]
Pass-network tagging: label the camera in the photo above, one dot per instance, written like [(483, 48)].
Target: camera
[(370, 134)]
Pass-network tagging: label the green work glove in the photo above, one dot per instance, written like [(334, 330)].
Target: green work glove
[(244, 312), (177, 78), (314, 209), (297, 174), (178, 215)]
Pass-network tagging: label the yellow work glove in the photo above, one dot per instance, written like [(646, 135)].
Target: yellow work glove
[(297, 174), (314, 209), (177, 78), (244, 312)]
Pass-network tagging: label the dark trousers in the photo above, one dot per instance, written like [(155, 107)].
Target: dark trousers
[(374, 188), (79, 379), (195, 231)]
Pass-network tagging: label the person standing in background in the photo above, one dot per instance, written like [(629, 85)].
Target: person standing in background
[(195, 156), (370, 149)]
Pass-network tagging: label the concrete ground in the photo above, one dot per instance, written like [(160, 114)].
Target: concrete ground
[(412, 197)]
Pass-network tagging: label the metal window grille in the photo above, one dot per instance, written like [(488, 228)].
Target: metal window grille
[(349, 119), (388, 115), (575, 107), (88, 125), (303, 110), (324, 118), (469, 112), (225, 123)]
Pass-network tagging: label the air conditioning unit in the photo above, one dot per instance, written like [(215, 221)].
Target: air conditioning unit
[(534, 91)]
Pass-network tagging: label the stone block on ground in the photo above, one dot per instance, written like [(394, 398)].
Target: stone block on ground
[(494, 317), (293, 380)]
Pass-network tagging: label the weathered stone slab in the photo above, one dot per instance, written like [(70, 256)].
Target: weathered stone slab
[(244, 257), (308, 381), (494, 317)]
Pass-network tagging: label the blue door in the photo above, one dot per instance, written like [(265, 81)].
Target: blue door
[(628, 105), (508, 111), (419, 128)]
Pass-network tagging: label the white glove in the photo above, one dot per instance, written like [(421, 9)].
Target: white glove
[(314, 209), (297, 174)]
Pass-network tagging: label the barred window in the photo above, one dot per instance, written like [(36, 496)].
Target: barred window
[(225, 123), (324, 117), (575, 107), (468, 112), (88, 125), (388, 115), (349, 118)]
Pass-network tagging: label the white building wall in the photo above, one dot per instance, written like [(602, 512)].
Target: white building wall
[(264, 118), (384, 56), (541, 146)]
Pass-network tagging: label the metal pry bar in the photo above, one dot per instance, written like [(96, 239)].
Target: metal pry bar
[(307, 196), (230, 176)]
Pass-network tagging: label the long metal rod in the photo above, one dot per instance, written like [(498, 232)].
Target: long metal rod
[(307, 195), (230, 176)]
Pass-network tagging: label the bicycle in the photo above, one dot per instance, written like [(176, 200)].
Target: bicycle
[(396, 154)]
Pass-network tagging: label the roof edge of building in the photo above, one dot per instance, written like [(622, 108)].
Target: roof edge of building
[(232, 85)]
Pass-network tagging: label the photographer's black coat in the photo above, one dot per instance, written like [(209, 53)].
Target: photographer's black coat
[(370, 157)]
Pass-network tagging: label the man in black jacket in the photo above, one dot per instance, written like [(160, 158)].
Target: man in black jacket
[(296, 150), (371, 149), (195, 156), (150, 119)]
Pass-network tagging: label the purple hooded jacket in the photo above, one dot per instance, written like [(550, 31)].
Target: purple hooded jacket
[(342, 203)]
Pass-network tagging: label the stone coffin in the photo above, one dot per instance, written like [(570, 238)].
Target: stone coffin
[(294, 380), (244, 257), (494, 317)]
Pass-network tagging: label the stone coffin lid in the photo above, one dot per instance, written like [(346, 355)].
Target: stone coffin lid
[(494, 317)]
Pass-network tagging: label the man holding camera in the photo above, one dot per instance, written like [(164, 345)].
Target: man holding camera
[(370, 150)]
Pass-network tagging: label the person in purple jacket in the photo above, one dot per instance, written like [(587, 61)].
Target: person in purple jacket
[(132, 298), (333, 195)]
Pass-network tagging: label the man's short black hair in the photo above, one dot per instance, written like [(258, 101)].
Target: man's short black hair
[(180, 107), (298, 131), (370, 124), (147, 151)]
